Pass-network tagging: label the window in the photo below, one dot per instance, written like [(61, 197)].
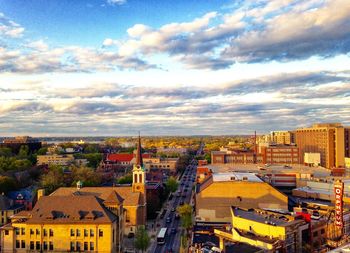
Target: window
[(86, 233), (17, 231), (23, 231), (50, 245), (6, 232), (17, 244), (135, 178), (78, 246), (37, 231), (78, 232), (322, 231), (23, 244), (45, 245), (100, 233), (86, 246), (92, 246), (140, 178), (51, 232), (315, 234), (72, 232), (31, 231), (92, 232), (31, 245), (71, 246), (44, 232), (37, 245)]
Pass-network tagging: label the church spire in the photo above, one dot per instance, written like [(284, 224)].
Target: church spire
[(139, 153)]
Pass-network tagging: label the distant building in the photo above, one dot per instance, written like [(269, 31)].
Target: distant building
[(17, 142), (161, 163), (215, 195), (331, 140), (63, 160), (235, 156), (280, 154), (282, 137)]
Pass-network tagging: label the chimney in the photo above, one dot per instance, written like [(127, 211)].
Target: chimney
[(40, 193)]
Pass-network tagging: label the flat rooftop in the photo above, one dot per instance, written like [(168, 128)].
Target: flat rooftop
[(239, 176), (261, 216), (255, 168)]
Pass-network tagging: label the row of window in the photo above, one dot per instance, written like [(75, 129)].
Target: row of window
[(37, 231), (77, 246), (76, 232), (35, 245)]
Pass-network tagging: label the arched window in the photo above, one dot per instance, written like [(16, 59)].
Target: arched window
[(135, 178)]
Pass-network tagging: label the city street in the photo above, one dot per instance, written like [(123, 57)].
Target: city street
[(172, 242)]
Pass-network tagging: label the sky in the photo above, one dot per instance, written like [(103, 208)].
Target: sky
[(185, 67)]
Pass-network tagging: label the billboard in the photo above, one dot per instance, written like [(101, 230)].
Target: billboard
[(338, 192)]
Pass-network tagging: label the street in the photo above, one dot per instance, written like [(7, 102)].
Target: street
[(183, 194)]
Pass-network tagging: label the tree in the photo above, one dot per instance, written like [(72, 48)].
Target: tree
[(42, 151), (6, 152), (171, 184), (127, 179), (87, 175), (142, 239), (7, 184), (53, 179), (91, 148), (185, 212), (23, 152)]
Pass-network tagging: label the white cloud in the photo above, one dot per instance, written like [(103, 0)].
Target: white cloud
[(116, 2)]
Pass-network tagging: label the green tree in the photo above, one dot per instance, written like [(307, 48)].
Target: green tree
[(91, 148), (185, 212), (23, 152), (127, 179), (7, 184), (6, 152), (94, 159), (53, 179), (171, 184), (142, 239), (208, 157), (42, 151), (87, 175), (22, 164)]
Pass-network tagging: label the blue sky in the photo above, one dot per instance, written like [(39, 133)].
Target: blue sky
[(113, 67)]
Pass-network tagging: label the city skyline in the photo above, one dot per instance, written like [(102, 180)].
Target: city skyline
[(114, 67)]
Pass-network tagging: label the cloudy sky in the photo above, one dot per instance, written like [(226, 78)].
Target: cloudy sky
[(113, 67)]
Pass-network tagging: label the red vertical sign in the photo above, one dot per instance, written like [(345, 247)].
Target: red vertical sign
[(338, 191)]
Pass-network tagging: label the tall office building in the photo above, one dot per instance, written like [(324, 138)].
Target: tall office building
[(328, 139)]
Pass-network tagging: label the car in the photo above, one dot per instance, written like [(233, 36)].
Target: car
[(177, 216), (173, 231), (184, 196), (185, 190), (173, 209), (181, 203), (169, 250), (168, 219)]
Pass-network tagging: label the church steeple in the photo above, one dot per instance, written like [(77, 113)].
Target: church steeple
[(139, 174), (139, 161)]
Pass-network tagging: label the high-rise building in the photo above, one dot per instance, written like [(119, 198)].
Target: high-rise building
[(328, 139), (282, 137)]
